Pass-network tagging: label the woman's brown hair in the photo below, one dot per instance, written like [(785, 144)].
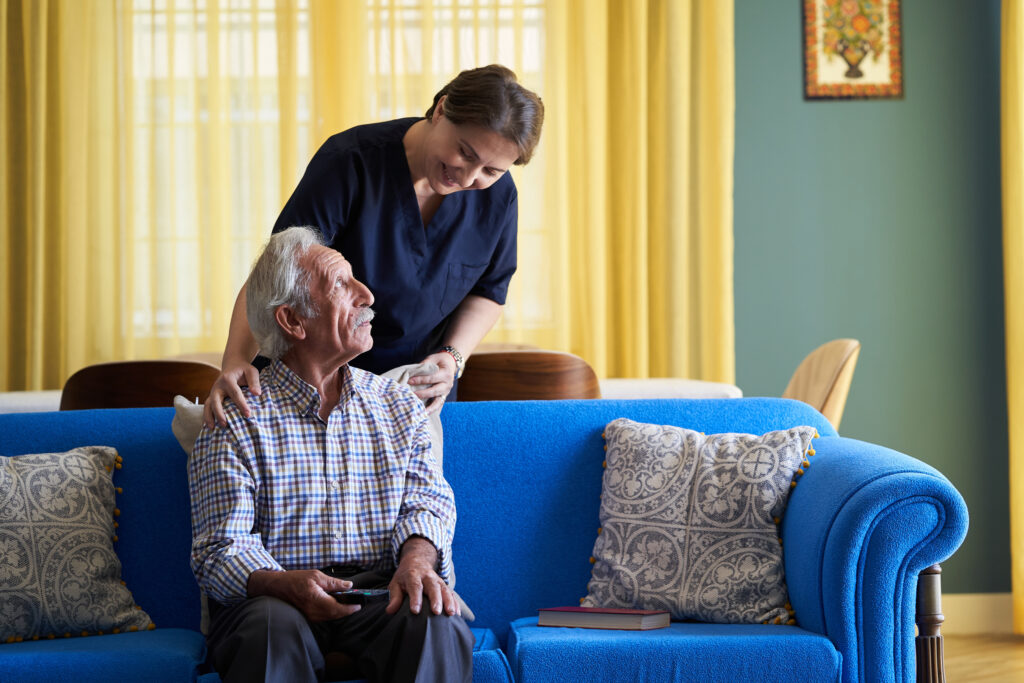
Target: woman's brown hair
[(491, 97)]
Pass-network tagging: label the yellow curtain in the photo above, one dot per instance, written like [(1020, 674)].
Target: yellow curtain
[(58, 92), (384, 59), (147, 146), (639, 137), (1012, 89)]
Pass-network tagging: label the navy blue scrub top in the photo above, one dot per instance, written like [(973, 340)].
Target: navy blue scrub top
[(357, 190)]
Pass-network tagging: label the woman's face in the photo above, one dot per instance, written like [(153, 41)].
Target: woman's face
[(465, 157)]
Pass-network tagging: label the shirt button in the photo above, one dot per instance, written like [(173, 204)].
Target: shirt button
[(338, 535), (335, 485)]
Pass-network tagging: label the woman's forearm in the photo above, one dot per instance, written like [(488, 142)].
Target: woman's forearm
[(471, 322), (241, 346), (236, 369)]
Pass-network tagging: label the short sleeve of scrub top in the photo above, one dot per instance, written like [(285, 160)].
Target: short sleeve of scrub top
[(357, 191)]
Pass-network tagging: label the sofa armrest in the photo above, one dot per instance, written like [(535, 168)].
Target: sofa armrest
[(861, 524)]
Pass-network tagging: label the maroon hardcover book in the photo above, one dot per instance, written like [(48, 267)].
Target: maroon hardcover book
[(603, 617)]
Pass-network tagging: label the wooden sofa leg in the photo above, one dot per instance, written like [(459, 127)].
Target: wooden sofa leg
[(928, 644)]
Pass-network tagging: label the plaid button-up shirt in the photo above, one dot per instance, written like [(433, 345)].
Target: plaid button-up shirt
[(285, 490)]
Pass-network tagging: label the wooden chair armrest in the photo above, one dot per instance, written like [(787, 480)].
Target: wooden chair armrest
[(928, 644)]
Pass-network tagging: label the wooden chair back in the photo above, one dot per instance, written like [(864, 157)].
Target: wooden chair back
[(823, 378), (516, 375), (137, 384)]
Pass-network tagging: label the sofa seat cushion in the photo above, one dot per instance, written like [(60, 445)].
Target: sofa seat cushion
[(489, 662), (685, 651), (160, 655), (484, 640), (491, 666)]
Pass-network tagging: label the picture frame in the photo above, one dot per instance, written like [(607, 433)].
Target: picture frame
[(853, 49)]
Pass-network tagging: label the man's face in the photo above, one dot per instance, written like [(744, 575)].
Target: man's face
[(342, 330)]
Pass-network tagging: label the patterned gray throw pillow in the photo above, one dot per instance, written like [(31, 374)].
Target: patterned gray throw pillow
[(689, 522), (59, 575)]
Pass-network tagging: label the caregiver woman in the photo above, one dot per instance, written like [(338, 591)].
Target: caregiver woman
[(425, 211)]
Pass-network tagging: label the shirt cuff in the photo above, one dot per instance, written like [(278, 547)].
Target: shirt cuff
[(431, 528), (228, 584)]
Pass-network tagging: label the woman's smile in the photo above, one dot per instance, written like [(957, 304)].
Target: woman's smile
[(447, 178)]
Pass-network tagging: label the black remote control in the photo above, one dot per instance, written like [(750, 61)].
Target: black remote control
[(361, 596)]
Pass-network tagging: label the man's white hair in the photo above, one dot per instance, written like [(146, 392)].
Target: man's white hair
[(278, 278)]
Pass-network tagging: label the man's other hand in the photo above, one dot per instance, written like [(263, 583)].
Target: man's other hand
[(305, 589), (417, 579)]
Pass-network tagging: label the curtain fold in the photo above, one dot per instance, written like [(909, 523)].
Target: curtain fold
[(147, 147), (89, 231), (640, 110), (339, 63), (1012, 117), (143, 165), (59, 180)]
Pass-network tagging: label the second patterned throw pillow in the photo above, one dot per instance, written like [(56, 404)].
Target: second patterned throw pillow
[(689, 522)]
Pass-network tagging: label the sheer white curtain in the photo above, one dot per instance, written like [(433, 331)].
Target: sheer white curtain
[(226, 101)]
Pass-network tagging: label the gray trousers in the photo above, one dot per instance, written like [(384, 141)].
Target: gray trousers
[(267, 639)]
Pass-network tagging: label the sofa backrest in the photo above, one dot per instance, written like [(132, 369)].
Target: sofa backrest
[(526, 476), (527, 482), (155, 527)]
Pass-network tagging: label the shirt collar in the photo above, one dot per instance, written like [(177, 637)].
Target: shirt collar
[(302, 394)]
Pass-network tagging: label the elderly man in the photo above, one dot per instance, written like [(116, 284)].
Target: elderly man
[(329, 483)]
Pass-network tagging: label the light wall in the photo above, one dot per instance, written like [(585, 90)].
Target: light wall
[(880, 220)]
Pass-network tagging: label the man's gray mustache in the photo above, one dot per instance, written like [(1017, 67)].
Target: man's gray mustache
[(365, 315)]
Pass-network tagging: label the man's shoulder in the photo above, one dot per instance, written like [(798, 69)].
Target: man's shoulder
[(393, 396), (266, 404), (379, 385), (232, 431), (270, 412)]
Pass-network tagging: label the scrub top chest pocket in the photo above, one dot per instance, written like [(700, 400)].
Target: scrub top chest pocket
[(461, 279)]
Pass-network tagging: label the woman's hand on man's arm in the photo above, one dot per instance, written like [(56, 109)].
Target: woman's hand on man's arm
[(471, 321), (434, 388)]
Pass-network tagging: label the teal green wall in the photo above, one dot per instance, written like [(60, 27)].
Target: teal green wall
[(880, 220)]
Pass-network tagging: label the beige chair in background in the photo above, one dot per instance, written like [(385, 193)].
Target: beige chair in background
[(137, 384), (823, 378)]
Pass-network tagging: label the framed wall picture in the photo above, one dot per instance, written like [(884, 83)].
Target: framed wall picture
[(852, 49)]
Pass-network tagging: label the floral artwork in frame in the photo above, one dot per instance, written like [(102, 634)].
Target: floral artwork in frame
[(852, 49)]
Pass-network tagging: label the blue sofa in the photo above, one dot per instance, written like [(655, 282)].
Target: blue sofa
[(861, 525)]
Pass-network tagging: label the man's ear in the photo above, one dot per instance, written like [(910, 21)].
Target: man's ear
[(290, 321)]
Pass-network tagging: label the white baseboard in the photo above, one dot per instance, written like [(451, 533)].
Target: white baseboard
[(969, 614)]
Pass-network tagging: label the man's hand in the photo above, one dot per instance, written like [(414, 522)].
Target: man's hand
[(415, 577), (305, 589)]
